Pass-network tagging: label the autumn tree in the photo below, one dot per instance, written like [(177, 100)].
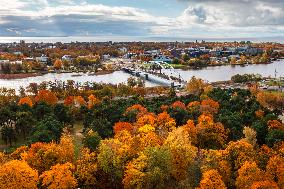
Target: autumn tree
[(57, 64), (210, 134), (195, 86), (212, 179), (150, 170), (275, 168), (248, 174), (47, 97), (183, 155), (119, 126), (59, 176), (87, 169), (92, 101), (18, 174), (26, 100)]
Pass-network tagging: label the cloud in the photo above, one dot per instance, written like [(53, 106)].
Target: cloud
[(214, 18)]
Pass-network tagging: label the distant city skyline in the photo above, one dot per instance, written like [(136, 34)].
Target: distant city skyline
[(144, 18)]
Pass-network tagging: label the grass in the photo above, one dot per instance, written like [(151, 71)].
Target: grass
[(178, 66), (77, 137)]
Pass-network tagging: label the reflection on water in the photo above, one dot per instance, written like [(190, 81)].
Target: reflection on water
[(210, 74)]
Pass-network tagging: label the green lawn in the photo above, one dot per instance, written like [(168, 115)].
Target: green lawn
[(178, 66), (77, 137)]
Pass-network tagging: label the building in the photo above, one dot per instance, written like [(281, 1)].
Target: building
[(42, 59), (163, 58), (66, 58)]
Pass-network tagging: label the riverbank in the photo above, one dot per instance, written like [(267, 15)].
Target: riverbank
[(19, 75)]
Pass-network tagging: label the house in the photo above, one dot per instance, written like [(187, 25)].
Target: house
[(42, 59), (67, 58), (123, 50), (163, 58), (17, 53), (106, 57)]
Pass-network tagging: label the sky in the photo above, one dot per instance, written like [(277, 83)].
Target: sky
[(145, 18)]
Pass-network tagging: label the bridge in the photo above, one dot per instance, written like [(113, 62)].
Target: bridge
[(156, 72)]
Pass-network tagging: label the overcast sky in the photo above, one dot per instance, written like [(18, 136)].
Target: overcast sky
[(174, 18)]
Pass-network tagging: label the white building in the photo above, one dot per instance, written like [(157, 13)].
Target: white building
[(123, 50), (42, 59), (66, 58)]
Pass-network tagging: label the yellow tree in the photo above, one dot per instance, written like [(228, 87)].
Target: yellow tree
[(60, 176), (87, 168), (150, 170), (195, 86), (182, 154), (18, 174)]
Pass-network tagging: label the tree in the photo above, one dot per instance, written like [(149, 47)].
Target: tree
[(87, 169), (183, 155), (120, 126), (248, 174), (57, 64), (92, 101), (195, 86), (210, 135), (250, 136), (47, 130), (26, 100), (211, 179), (18, 174), (59, 176), (91, 140), (46, 96), (25, 123), (275, 168), (42, 156), (150, 170)]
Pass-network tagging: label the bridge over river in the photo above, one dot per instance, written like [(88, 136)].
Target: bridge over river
[(154, 72)]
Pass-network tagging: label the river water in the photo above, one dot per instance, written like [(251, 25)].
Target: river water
[(211, 74)]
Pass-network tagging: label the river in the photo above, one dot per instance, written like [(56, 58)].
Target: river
[(211, 74)]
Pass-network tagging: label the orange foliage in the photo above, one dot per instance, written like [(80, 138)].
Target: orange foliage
[(137, 109), (209, 106), (248, 174), (92, 101), (18, 174), (46, 96), (119, 126), (164, 124), (26, 100), (190, 128), (178, 104), (259, 113), (42, 156), (87, 168), (69, 100), (275, 168), (275, 124), (238, 152), (57, 64), (212, 180), (79, 101), (59, 177), (264, 185)]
